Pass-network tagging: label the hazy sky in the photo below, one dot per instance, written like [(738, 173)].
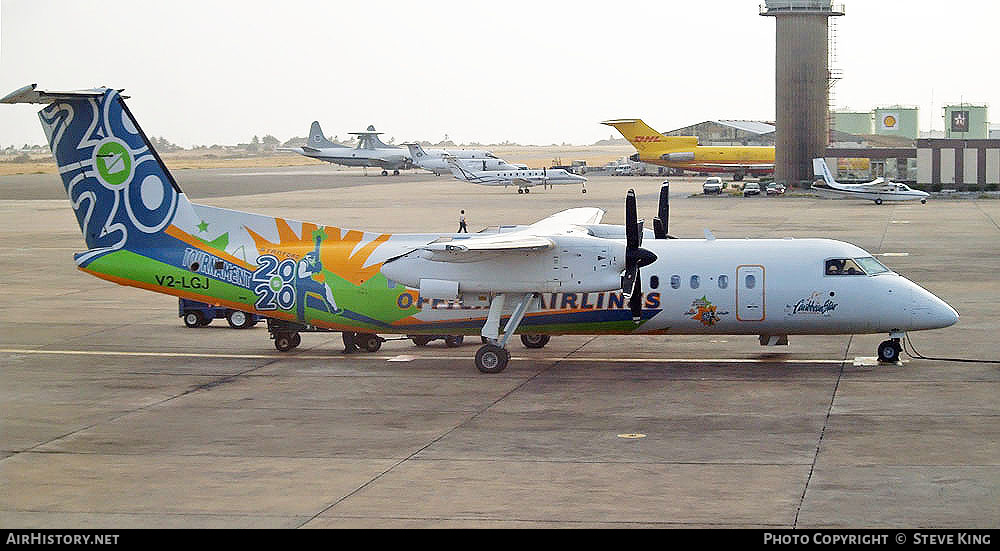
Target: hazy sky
[(541, 72)]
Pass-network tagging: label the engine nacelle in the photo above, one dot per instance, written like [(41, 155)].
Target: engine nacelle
[(572, 265), (438, 288), (681, 157)]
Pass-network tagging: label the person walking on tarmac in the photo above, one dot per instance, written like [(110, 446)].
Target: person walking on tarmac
[(461, 223)]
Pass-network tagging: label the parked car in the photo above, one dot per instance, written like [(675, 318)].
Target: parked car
[(775, 189), (624, 170), (751, 188), (713, 185), (199, 314)]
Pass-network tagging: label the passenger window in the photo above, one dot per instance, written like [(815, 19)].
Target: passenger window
[(723, 282), (654, 282), (695, 282), (675, 282), (751, 281), (843, 267)]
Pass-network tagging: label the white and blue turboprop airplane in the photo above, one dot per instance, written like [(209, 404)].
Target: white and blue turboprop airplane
[(564, 275), (434, 160), (370, 151), (878, 190), (523, 178)]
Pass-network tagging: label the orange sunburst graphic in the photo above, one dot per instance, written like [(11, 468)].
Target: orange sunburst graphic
[(704, 311), (336, 251), (706, 315)]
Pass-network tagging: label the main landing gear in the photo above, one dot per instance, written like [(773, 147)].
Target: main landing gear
[(888, 351), (523, 190), (451, 341), (287, 338), (493, 356)]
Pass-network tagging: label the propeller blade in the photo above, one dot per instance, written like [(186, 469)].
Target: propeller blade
[(635, 298), (635, 257), (662, 220), (659, 230), (629, 277), (632, 235)]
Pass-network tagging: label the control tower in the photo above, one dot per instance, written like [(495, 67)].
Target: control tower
[(802, 85)]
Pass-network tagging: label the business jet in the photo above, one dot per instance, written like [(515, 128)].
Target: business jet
[(565, 274), (522, 177), (433, 160), (370, 151), (877, 190)]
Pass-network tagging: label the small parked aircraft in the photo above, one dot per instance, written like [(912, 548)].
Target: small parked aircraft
[(433, 160), (370, 151), (877, 190), (523, 178), (566, 274)]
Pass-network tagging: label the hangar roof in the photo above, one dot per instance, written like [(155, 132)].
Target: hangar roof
[(756, 127)]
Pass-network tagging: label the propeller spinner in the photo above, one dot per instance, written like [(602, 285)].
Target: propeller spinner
[(635, 257)]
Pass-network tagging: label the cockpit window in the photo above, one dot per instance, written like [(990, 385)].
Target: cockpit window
[(842, 267), (871, 266)]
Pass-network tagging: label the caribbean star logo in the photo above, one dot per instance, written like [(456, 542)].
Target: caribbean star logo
[(704, 311)]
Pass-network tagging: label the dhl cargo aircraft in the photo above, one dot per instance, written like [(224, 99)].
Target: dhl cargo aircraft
[(683, 152)]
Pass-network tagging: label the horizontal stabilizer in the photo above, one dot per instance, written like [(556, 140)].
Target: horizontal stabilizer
[(30, 94)]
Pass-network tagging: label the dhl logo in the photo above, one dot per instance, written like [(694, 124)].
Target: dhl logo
[(646, 139)]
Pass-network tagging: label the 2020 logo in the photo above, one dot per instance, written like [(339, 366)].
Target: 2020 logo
[(273, 283)]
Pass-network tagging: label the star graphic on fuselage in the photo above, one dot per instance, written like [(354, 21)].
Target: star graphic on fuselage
[(203, 227)]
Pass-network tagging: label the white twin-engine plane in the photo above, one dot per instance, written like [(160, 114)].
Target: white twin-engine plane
[(523, 178), (767, 287), (567, 274), (878, 190)]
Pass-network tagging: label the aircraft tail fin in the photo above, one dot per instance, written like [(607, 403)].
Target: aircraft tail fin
[(642, 137), (820, 170), (457, 170), (369, 139), (120, 190), (317, 139), (416, 151)]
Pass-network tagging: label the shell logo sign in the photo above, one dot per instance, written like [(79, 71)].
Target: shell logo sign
[(889, 121)]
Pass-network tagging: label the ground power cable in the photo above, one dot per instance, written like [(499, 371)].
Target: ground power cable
[(908, 345)]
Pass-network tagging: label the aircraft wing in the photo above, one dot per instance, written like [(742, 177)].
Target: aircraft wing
[(876, 185), (581, 216), (535, 237), (504, 242)]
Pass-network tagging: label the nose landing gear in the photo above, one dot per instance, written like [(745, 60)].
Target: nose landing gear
[(888, 351)]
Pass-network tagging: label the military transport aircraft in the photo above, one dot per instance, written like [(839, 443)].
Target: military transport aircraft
[(369, 152), (566, 274), (878, 190)]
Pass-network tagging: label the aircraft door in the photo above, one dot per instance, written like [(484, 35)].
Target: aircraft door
[(750, 293)]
